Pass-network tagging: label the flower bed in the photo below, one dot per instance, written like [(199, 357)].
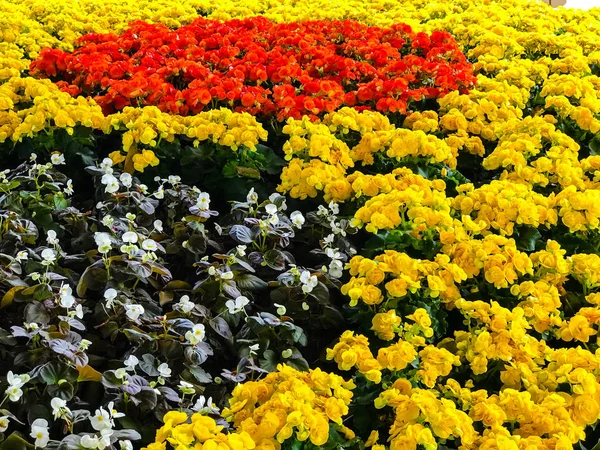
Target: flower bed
[(239, 226)]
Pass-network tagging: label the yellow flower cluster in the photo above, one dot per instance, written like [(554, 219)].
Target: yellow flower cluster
[(199, 433), (289, 402)]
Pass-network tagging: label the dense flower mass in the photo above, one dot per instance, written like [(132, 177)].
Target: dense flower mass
[(260, 67), (294, 225)]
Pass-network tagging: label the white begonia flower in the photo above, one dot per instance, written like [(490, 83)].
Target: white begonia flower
[(273, 220), (68, 190), (252, 196), (185, 305), (106, 165), (22, 256), (286, 353), (186, 388), (158, 225), (17, 380), (125, 445), (253, 349), (110, 295), (130, 237), (164, 370), (14, 393), (59, 408), (329, 239), (281, 310), (241, 250), (309, 282), (237, 305), (35, 276), (39, 431), (107, 220), (204, 406), (103, 242), (333, 253), (271, 209), (4, 423), (143, 188), (78, 312), (336, 268), (212, 271), (134, 311), (196, 334), (322, 211), (297, 219), (111, 183), (101, 420), (203, 202), (160, 192), (84, 344), (174, 179), (150, 245), (121, 373), (57, 158), (89, 441), (226, 275), (48, 256), (51, 237), (334, 207), (66, 301), (126, 179), (130, 216), (131, 362)]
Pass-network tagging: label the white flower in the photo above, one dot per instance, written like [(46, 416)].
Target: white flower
[(336, 268), (297, 219), (57, 158), (334, 207), (329, 239), (203, 201), (237, 305), (160, 193), (32, 157), (226, 275), (134, 311), (51, 237), (39, 431), (106, 165), (174, 179), (252, 196), (273, 220), (22, 256), (130, 237), (322, 211), (281, 310), (14, 393), (35, 276), (84, 344), (3, 423), (186, 388), (107, 221), (241, 250), (101, 420), (89, 441), (48, 256), (254, 348), (110, 295), (17, 380), (78, 312), (158, 225), (67, 300), (150, 245), (286, 353), (69, 189), (126, 179), (271, 209), (59, 407), (131, 362), (185, 305), (196, 334), (112, 184), (113, 412), (143, 188), (333, 253), (204, 406), (125, 445), (309, 282), (164, 370), (130, 216), (121, 373)]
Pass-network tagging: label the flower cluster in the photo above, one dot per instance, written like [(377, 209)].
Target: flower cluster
[(256, 66)]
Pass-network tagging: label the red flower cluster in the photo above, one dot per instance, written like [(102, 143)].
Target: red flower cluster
[(257, 66)]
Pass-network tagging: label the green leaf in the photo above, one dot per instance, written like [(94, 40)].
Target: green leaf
[(250, 282), (200, 374), (528, 239), (15, 442), (54, 371), (241, 233)]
